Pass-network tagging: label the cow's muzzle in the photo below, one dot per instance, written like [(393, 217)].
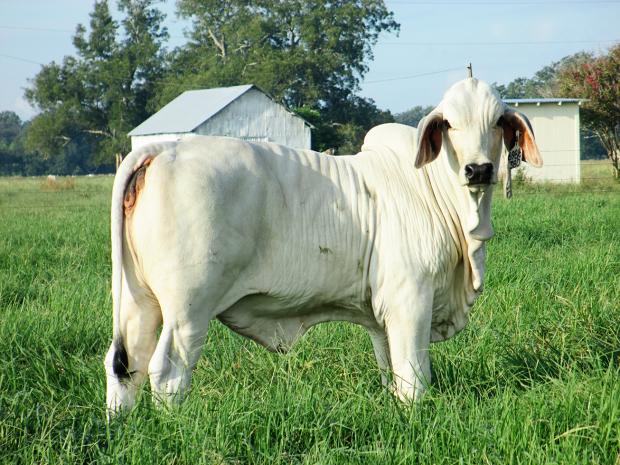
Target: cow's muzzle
[(479, 174)]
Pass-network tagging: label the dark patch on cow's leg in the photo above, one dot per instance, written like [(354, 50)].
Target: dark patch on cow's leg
[(120, 361)]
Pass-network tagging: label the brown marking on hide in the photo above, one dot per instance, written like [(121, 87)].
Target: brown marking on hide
[(325, 250), (134, 186)]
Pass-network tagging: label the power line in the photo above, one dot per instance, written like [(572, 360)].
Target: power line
[(63, 31), (414, 43), (507, 3), (416, 75), (30, 28), (483, 43), (26, 60)]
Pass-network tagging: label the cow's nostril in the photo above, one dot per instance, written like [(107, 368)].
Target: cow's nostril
[(486, 172), (478, 174)]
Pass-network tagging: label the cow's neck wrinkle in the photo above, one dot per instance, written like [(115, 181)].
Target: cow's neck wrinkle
[(468, 223)]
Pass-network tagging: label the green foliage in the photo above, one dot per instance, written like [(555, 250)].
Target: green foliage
[(532, 379), (15, 159), (90, 102), (545, 82), (341, 130), (308, 55), (413, 116), (303, 53)]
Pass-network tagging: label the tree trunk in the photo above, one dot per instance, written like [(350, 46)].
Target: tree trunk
[(610, 142)]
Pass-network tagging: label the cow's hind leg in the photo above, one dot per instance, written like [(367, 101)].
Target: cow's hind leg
[(127, 359), (178, 350)]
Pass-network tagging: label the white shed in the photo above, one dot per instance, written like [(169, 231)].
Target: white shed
[(556, 127), (245, 112)]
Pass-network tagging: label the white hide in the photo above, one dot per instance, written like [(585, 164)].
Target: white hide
[(272, 241)]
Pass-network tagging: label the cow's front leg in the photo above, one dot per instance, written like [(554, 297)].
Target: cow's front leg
[(382, 352), (408, 328)]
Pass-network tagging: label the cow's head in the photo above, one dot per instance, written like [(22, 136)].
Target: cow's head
[(469, 124)]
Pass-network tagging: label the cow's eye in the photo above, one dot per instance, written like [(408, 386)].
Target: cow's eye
[(446, 124)]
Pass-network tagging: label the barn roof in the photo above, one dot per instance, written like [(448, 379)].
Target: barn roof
[(189, 110)]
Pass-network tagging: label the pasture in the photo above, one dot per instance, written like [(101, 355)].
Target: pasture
[(534, 378)]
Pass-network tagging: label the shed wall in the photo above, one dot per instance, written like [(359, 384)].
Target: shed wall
[(556, 128)]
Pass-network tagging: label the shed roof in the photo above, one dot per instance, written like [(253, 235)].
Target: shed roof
[(539, 101), (189, 110)]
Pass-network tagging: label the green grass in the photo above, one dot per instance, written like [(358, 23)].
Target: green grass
[(534, 379)]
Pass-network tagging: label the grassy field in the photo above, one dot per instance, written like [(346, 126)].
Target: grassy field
[(534, 379)]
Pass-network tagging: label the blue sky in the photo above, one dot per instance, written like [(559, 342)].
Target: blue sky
[(503, 39)]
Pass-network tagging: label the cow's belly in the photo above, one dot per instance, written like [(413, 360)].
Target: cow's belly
[(277, 322)]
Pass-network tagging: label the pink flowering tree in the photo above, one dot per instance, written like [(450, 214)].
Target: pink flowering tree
[(598, 81)]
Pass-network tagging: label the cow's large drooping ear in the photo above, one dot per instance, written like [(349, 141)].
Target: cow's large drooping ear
[(429, 138), (513, 121)]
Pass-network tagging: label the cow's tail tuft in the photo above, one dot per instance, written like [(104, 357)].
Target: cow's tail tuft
[(120, 361), (124, 177)]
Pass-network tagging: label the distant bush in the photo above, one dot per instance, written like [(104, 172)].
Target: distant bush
[(54, 184)]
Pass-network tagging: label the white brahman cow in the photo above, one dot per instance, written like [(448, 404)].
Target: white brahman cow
[(272, 240)]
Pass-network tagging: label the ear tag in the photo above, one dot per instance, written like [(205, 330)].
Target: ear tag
[(514, 160), (514, 154)]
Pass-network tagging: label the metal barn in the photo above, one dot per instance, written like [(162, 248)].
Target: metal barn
[(556, 127), (245, 112)]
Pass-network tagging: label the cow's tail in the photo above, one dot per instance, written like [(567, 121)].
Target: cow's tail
[(123, 196)]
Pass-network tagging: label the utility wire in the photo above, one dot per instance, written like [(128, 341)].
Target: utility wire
[(25, 60), (415, 75), (507, 3), (539, 42), (531, 42), (29, 28)]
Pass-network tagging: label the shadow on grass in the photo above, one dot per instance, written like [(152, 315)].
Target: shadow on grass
[(522, 365)]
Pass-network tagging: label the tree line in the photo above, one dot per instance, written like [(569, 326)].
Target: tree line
[(309, 55)]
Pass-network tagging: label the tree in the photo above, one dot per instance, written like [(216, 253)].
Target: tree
[(14, 158), (413, 116), (91, 101), (544, 83), (10, 129), (306, 54), (598, 80)]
